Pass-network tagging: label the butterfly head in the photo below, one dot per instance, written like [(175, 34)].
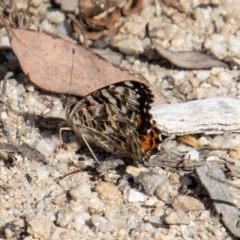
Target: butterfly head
[(67, 101)]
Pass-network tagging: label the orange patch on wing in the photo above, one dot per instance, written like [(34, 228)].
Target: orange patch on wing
[(150, 141), (92, 103)]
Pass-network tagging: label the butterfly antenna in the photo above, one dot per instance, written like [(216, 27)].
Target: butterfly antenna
[(70, 87)]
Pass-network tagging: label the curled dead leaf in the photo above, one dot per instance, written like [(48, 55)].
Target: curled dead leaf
[(187, 59), (89, 8), (132, 6), (107, 22)]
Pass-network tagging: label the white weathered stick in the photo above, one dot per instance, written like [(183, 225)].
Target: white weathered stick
[(209, 116)]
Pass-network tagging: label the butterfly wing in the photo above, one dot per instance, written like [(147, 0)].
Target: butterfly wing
[(117, 117), (110, 129), (133, 98)]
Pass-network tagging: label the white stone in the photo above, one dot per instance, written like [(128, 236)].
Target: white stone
[(192, 155), (151, 201), (216, 37), (81, 191), (204, 141), (64, 217), (155, 220), (4, 42), (55, 16), (78, 222), (136, 196), (46, 26), (218, 50), (202, 14), (41, 205), (131, 47), (148, 227), (39, 106), (29, 99), (39, 226), (234, 44), (203, 74), (85, 216), (56, 111), (42, 173), (225, 78), (62, 167), (45, 146), (4, 115), (237, 163), (179, 75), (101, 223), (165, 193)]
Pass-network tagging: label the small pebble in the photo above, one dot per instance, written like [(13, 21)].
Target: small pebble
[(177, 217), (42, 173), (45, 146), (151, 201), (108, 191), (150, 181), (79, 222), (131, 47), (81, 191), (39, 226), (64, 217), (179, 75), (136, 196), (101, 223), (186, 203), (165, 193), (192, 155)]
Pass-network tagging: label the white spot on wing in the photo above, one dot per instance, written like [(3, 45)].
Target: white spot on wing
[(106, 94)]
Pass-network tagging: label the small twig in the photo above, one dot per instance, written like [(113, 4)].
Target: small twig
[(78, 24), (73, 172)]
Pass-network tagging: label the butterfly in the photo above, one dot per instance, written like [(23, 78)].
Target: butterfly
[(117, 118)]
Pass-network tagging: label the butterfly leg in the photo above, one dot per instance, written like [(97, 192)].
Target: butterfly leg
[(60, 134), (90, 149)]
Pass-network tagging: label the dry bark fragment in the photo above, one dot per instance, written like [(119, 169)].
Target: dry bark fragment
[(221, 197)]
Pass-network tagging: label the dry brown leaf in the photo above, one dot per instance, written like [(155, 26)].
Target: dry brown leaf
[(90, 8), (99, 15), (107, 22), (189, 140), (132, 6), (235, 153), (184, 7), (68, 6), (48, 63), (187, 59)]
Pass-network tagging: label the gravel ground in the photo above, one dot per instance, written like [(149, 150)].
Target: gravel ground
[(128, 202)]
